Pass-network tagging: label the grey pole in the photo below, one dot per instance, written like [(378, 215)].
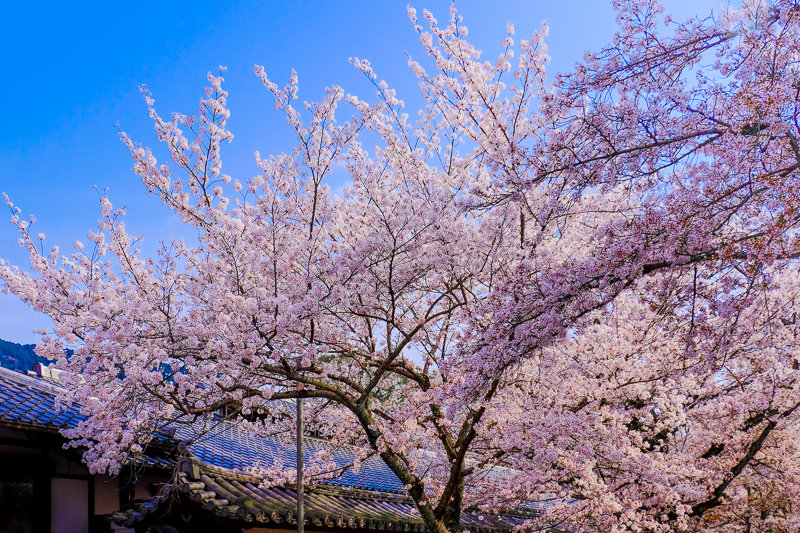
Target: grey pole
[(300, 510)]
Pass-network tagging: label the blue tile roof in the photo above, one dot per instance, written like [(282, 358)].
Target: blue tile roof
[(31, 401), (231, 448)]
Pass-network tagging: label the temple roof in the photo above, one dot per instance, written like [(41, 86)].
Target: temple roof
[(237, 496), (211, 473), (30, 401), (228, 447), (25, 400)]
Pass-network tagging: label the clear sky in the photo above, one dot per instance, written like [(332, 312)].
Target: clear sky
[(73, 70)]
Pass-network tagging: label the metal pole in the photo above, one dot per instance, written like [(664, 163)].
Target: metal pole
[(300, 510)]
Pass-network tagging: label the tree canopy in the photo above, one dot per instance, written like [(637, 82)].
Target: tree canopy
[(579, 292), (19, 357)]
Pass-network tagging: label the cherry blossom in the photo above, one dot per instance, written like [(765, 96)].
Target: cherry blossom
[(573, 294)]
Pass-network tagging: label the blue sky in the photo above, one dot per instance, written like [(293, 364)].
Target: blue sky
[(73, 71)]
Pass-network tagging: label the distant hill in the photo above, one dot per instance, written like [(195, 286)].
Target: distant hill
[(19, 357)]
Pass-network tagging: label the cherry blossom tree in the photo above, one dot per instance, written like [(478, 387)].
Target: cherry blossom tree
[(578, 294)]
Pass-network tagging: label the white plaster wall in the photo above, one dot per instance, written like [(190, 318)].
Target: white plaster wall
[(69, 507)]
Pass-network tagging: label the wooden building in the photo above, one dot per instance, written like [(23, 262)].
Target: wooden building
[(199, 489)]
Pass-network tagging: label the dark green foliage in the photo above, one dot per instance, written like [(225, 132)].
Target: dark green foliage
[(19, 357)]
